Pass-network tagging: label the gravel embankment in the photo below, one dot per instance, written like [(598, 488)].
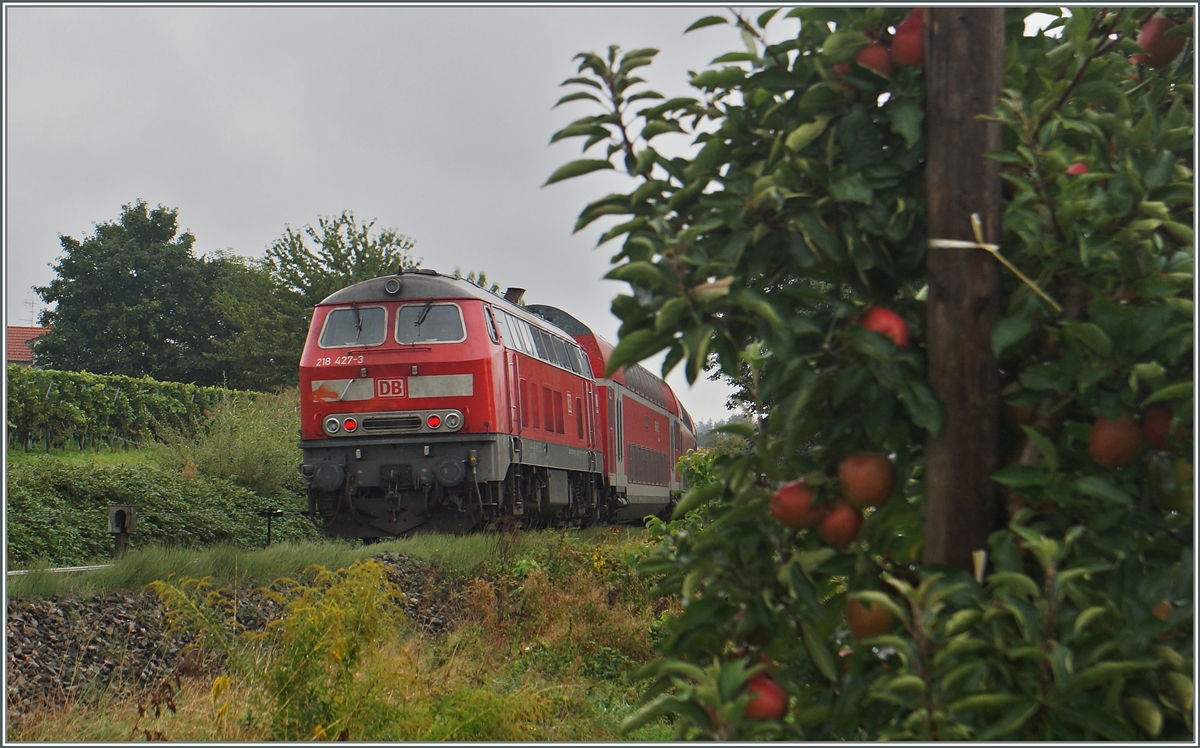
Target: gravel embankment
[(60, 649)]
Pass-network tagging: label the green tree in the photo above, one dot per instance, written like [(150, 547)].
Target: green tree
[(131, 299), (263, 325), (316, 261), (804, 206)]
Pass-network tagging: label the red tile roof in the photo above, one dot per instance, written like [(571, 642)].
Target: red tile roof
[(19, 340)]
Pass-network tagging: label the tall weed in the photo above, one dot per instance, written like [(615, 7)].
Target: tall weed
[(309, 662), (252, 443)]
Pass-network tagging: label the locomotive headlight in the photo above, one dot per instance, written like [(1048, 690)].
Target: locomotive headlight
[(332, 425), (434, 421), (453, 421), (350, 424)]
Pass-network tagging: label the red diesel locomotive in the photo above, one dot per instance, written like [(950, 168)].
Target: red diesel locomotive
[(428, 402)]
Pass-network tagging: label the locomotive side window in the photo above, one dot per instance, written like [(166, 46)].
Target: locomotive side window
[(353, 326), (576, 359), (505, 332), (543, 348), (491, 325), (560, 352), (429, 323)]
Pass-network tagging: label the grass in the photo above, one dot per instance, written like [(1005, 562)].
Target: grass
[(133, 456), (548, 629), (227, 563)]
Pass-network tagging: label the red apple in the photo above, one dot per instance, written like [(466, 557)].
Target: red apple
[(1161, 48), (840, 526), (1156, 420), (770, 700), (1077, 168), (908, 43), (866, 479), (876, 57), (1114, 443), (866, 620), (792, 504), (886, 323)]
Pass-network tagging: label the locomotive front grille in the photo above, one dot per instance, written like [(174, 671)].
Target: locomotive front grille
[(392, 423)]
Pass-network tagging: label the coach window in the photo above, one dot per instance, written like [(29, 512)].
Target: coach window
[(429, 323), (353, 326)]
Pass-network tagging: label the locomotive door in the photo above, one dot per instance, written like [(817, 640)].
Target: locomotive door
[(514, 391), (590, 419)]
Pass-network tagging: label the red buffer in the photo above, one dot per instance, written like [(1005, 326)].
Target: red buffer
[(429, 403)]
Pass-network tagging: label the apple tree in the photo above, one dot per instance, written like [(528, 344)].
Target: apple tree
[(789, 253)]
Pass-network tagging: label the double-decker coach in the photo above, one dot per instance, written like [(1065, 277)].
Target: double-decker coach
[(428, 402)]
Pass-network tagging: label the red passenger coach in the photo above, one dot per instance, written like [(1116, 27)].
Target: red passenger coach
[(428, 402)]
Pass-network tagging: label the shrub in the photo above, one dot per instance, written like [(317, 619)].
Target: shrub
[(252, 443), (58, 512)]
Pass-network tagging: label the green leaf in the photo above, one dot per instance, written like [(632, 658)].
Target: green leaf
[(1012, 721), (658, 127), (1091, 336), (1044, 445), (696, 497), (1170, 392), (923, 406), (577, 168), (1181, 689), (984, 701), (819, 652), (1087, 616), (807, 133), (1100, 487), (706, 21), (640, 273), (1010, 330), (1015, 581), (575, 97), (636, 346), (1106, 671), (1145, 713), (907, 119), (1021, 476), (841, 46)]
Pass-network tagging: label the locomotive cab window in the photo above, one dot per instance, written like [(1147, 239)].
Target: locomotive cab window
[(354, 326), (429, 323)]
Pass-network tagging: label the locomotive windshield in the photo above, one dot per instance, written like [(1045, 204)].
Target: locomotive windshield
[(429, 323), (353, 326)]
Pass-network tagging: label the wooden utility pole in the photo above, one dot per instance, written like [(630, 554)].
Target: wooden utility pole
[(964, 70)]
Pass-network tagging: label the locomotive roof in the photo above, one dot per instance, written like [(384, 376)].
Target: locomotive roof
[(414, 284), (421, 284)]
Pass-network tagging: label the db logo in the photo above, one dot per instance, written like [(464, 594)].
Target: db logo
[(389, 388)]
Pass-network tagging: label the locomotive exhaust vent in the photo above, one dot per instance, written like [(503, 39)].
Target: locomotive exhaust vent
[(392, 423)]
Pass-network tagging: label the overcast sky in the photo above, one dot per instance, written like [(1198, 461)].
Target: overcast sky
[(433, 120)]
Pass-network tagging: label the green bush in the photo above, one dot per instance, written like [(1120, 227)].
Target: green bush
[(252, 443), (58, 512)]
